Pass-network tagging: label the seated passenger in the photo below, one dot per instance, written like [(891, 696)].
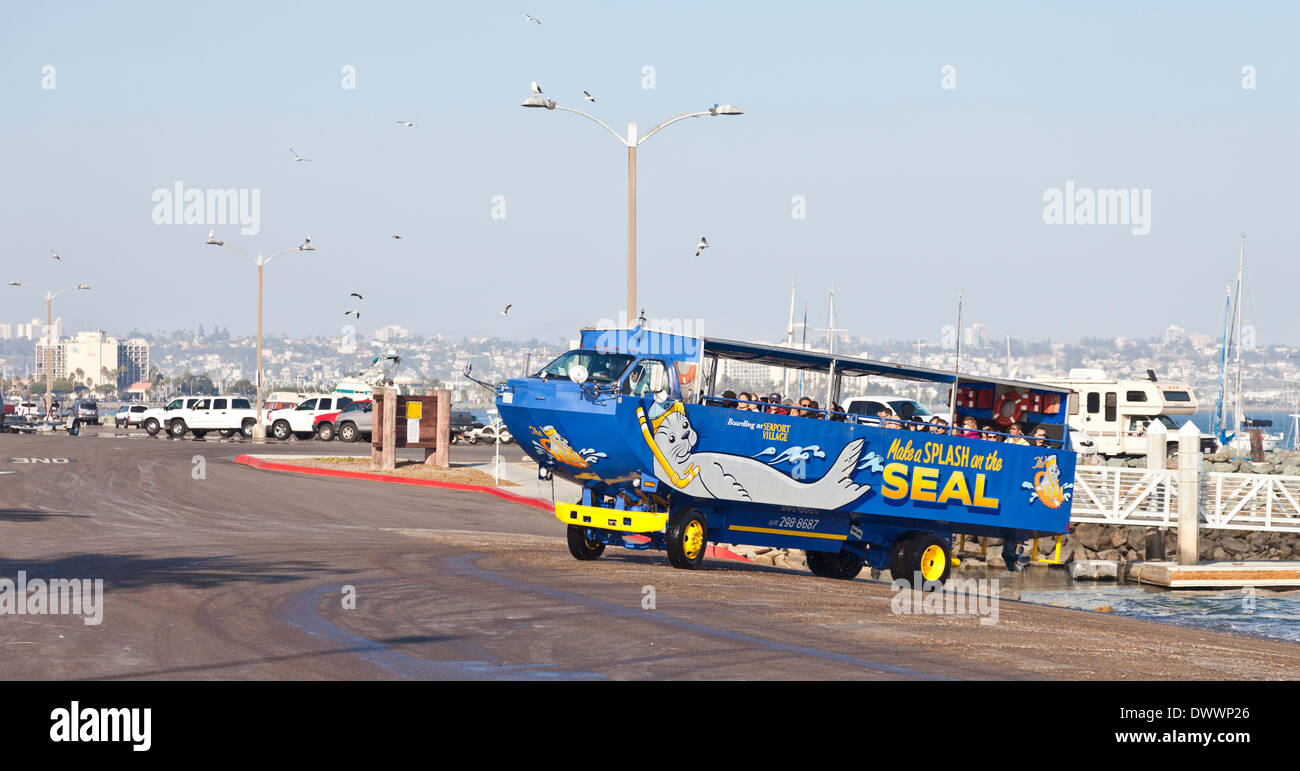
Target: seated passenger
[(990, 432), (728, 399), (837, 412), (1017, 435), (814, 412), (968, 429), (1040, 437), (774, 399), (938, 425), (887, 419), (743, 401)]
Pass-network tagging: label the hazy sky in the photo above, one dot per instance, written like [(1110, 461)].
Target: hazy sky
[(911, 190)]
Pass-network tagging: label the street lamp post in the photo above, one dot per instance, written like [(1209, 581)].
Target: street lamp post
[(259, 430), (632, 141), (49, 338)]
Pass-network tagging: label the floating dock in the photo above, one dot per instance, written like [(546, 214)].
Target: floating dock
[(1216, 574)]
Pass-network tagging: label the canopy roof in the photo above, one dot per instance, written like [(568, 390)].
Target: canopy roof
[(814, 361)]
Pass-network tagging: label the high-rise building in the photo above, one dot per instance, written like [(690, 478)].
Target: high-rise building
[(91, 358), (6, 331), (132, 362)]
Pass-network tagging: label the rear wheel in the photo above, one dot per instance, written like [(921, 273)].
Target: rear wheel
[(347, 432), (226, 433), (687, 537), (303, 435), (199, 434), (176, 428), (246, 429), (582, 545), (845, 565), (280, 430), (931, 556)]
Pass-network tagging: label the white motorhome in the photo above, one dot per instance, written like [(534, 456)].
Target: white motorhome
[(1116, 413)]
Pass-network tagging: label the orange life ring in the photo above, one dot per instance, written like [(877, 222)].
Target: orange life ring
[(1014, 417)]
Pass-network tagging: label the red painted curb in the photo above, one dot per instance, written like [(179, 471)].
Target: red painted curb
[(718, 552), (325, 472)]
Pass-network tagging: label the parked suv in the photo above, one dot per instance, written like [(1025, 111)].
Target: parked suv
[(85, 411), (868, 408), (224, 414), (129, 415), (356, 421), (156, 418)]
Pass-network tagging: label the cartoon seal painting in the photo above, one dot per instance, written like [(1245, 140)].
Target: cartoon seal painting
[(737, 477)]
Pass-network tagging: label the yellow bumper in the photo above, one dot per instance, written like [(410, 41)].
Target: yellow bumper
[(610, 519)]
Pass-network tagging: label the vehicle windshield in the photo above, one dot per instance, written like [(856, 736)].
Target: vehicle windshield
[(601, 367), (909, 410)]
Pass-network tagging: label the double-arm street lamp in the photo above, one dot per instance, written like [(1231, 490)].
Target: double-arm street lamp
[(632, 141), (259, 430), (49, 336)]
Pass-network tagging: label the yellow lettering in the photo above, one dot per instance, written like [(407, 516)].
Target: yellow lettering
[(895, 478), (895, 448), (925, 481), (955, 487), (980, 499)]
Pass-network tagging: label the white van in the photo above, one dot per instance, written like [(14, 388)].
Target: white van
[(1116, 413)]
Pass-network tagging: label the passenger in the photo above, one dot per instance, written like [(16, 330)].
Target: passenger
[(967, 430), (743, 401), (815, 412), (938, 425), (887, 419), (802, 409), (990, 433), (837, 412), (774, 399), (1017, 435), (729, 399), (1040, 437)]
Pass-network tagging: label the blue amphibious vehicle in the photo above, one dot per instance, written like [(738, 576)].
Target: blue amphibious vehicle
[(665, 462)]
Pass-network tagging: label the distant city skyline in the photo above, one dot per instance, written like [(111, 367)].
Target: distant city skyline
[(1074, 171)]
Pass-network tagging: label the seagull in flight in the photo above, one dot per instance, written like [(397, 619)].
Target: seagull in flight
[(298, 157), (530, 18), (506, 312), (701, 246), (356, 295), (409, 124), (587, 95), (536, 88), (352, 313), (55, 255), (397, 238)]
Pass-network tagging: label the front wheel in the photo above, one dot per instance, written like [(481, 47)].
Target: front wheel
[(246, 428), (176, 428), (280, 430), (687, 537), (151, 427), (583, 546), (928, 555), (845, 565), (326, 432), (226, 433)]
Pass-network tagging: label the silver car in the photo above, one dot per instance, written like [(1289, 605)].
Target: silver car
[(355, 421)]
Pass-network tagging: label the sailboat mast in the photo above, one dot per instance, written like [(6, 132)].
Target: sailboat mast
[(1241, 278)]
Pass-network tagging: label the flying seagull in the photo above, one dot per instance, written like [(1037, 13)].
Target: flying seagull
[(409, 124), (506, 312), (701, 246), (55, 255), (397, 238), (536, 88), (352, 313), (298, 157), (530, 18), (587, 95), (306, 242), (358, 296)]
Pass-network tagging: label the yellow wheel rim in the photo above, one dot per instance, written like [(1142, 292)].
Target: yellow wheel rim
[(693, 540), (933, 562)]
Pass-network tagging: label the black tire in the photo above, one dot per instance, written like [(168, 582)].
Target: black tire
[(348, 432), (326, 431), (303, 436), (688, 537), (845, 565), (151, 427), (931, 555), (176, 429), (280, 430), (226, 433), (582, 547), (246, 429), (898, 557), (199, 434), (75, 428)]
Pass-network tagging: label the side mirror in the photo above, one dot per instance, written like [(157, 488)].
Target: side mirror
[(578, 374)]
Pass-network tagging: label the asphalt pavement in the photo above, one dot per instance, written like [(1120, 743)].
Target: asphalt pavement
[(214, 570)]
